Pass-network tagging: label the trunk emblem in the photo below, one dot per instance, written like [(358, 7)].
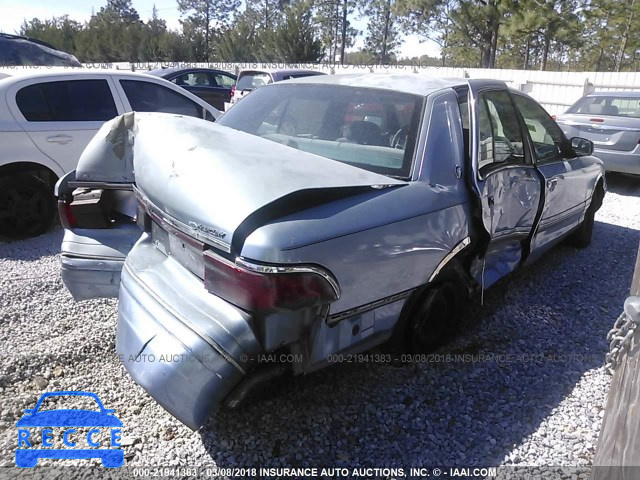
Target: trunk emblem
[(207, 230)]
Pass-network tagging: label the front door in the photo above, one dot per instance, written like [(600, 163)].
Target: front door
[(506, 182), (567, 178)]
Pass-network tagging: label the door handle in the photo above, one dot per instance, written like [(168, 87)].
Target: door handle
[(61, 139)]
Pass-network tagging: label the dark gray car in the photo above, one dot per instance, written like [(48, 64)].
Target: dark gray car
[(213, 86)]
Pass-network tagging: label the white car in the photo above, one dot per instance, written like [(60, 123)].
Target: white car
[(48, 116)]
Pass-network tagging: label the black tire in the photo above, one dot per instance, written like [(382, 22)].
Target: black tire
[(27, 206), (581, 237), (431, 319)]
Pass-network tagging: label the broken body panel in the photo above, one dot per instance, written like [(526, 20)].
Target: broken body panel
[(213, 200)]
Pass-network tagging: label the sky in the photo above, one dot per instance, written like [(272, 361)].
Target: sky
[(12, 14)]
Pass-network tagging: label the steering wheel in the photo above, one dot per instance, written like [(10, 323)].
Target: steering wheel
[(399, 139)]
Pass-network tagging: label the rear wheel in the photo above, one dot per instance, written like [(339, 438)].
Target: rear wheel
[(26, 206), (432, 319)]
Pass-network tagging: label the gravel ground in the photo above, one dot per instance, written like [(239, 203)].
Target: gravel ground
[(502, 404)]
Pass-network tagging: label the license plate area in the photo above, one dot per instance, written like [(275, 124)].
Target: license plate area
[(186, 250)]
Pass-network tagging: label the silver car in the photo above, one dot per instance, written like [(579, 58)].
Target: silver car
[(316, 219), (611, 120), (249, 80)]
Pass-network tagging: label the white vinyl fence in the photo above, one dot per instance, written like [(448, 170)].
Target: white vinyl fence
[(556, 91)]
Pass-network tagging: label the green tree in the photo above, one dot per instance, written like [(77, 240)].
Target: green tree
[(383, 35), (205, 19), (334, 27), (61, 32), (294, 39), (238, 43)]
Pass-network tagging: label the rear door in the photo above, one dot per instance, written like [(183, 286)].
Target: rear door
[(506, 182), (61, 114), (141, 95), (567, 178)]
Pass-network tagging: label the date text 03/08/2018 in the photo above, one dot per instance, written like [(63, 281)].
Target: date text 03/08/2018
[(316, 472)]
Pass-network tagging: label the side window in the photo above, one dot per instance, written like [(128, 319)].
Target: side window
[(224, 80), (67, 101), (150, 97), (500, 135), (546, 136)]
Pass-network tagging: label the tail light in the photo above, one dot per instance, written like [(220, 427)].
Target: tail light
[(553, 117), (67, 218), (233, 90), (597, 120), (263, 289)]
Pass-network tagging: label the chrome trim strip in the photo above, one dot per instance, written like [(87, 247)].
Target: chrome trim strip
[(460, 246), (177, 224), (254, 267), (337, 317), (103, 185)]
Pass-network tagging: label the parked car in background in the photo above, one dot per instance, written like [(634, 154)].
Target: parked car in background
[(611, 120), (318, 217), (48, 117), (249, 80), (17, 51), (213, 86)]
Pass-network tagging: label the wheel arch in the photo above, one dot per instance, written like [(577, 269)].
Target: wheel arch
[(45, 173)]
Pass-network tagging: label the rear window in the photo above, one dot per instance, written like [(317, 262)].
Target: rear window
[(603, 105), (251, 80), (372, 129), (67, 101)]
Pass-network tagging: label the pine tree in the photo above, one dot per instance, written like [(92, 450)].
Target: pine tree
[(383, 34), (206, 18)]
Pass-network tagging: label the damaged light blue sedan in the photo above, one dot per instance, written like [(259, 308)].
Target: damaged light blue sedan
[(319, 216)]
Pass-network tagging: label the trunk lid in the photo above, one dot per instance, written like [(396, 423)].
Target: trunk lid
[(221, 183), (607, 132)]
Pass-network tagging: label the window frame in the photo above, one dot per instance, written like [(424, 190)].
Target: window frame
[(40, 82), (565, 151), (523, 160), (178, 92)]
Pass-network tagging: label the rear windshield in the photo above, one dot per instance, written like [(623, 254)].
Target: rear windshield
[(251, 80), (368, 128), (602, 105)]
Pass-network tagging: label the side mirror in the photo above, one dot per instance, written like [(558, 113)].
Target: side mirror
[(582, 146)]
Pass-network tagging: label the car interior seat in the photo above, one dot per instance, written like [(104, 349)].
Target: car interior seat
[(362, 132)]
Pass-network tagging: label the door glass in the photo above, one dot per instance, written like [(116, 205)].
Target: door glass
[(150, 97), (548, 140), (500, 135), (67, 101), (224, 80)]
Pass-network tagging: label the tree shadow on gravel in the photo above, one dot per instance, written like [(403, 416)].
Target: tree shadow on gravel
[(30, 249), (455, 412)]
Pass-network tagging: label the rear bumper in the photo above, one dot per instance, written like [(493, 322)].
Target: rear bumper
[(91, 260), (187, 348), (622, 162), (90, 278)]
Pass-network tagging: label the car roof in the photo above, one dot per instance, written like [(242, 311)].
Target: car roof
[(407, 83), (162, 72), (280, 71), (22, 73), (627, 94)]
